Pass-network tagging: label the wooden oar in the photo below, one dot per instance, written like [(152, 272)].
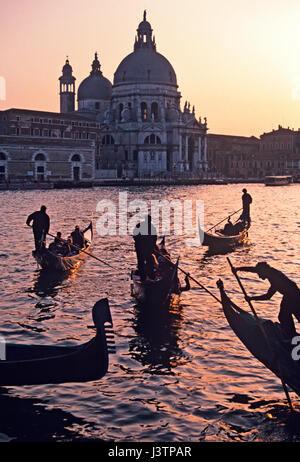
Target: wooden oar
[(233, 213), (188, 274), (84, 251), (262, 330)]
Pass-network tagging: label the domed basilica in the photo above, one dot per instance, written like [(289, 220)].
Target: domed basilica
[(144, 132)]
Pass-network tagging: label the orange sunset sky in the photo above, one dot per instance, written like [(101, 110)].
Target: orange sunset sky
[(237, 61)]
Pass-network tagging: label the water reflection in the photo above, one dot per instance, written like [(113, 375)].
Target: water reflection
[(195, 359), (47, 284), (45, 424), (157, 343)]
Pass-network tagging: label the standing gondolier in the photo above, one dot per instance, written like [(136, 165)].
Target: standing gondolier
[(279, 282), (247, 200), (40, 226), (145, 237)]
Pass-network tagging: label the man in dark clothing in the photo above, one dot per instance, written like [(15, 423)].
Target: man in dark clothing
[(228, 228), (77, 237), (40, 225), (290, 304), (145, 237), (247, 200)]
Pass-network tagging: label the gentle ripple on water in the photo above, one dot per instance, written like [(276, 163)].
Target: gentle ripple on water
[(183, 377)]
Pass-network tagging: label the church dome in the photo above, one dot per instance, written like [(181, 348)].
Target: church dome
[(145, 65), (95, 86)]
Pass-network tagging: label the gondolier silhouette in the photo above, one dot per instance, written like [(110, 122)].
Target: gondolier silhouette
[(290, 304), (247, 200), (145, 237), (40, 226)]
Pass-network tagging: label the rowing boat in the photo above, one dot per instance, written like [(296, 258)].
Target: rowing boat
[(217, 242), (54, 262), (158, 292), (274, 349), (22, 364), (163, 289)]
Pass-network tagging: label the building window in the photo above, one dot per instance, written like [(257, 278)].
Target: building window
[(121, 107), (144, 111), (108, 139), (40, 166), (40, 157), (2, 173), (152, 139), (76, 167), (154, 112), (3, 166), (76, 158)]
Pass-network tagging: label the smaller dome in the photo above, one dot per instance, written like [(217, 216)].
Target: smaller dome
[(95, 86), (144, 27), (67, 69)]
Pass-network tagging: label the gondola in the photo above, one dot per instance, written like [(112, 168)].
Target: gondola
[(275, 351), (218, 242), (42, 364), (51, 261), (158, 292)]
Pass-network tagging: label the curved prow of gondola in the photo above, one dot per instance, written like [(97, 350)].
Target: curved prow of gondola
[(103, 323), (265, 339), (226, 302), (89, 228), (162, 242)]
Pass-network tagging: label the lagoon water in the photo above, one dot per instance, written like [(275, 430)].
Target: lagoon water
[(175, 378)]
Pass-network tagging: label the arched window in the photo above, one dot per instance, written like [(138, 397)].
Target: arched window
[(76, 167), (2, 156), (154, 112), (121, 107), (144, 111), (108, 139), (40, 157), (76, 158), (152, 139), (40, 167)]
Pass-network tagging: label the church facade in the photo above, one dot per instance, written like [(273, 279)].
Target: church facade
[(144, 131), (131, 128)]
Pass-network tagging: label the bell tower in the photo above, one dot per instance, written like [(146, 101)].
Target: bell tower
[(67, 89)]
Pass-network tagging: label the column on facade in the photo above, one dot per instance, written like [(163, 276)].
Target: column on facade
[(199, 153), (205, 153), (186, 155)]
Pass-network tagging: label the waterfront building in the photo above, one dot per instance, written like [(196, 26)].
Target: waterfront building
[(47, 146), (273, 153)]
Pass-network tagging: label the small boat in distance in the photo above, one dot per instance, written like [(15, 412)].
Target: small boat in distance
[(52, 261), (278, 180), (273, 350), (23, 364), (217, 242)]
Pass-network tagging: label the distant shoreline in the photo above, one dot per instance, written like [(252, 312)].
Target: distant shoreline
[(125, 182)]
